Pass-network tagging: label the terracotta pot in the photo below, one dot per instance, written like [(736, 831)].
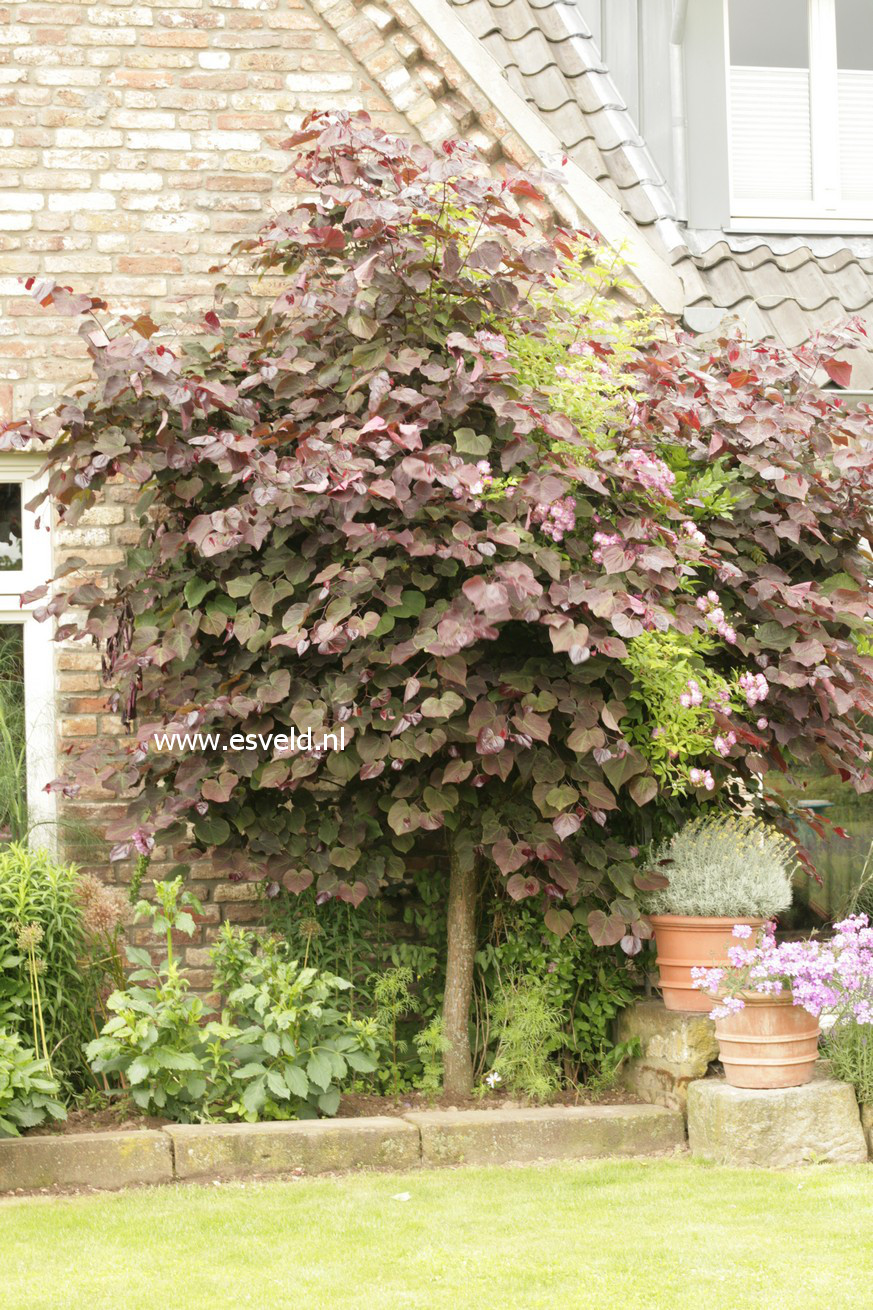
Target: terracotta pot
[(685, 941), (770, 1043)]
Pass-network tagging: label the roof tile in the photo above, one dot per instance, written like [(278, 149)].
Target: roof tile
[(777, 285)]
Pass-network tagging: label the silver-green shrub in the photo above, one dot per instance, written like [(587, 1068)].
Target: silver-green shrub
[(736, 867)]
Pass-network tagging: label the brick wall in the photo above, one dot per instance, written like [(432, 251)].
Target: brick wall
[(138, 141)]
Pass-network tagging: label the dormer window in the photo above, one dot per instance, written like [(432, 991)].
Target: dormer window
[(800, 109)]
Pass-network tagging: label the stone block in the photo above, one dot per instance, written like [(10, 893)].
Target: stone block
[(677, 1048), (109, 1160), (553, 1133), (867, 1125), (813, 1124), (316, 1146)]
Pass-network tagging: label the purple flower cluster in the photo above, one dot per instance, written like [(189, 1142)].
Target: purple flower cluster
[(556, 519), (702, 778), (832, 977), (724, 743)]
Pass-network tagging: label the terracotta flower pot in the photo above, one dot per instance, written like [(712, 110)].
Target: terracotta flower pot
[(770, 1043), (685, 941)]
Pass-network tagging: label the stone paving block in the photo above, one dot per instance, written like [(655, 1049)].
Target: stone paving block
[(813, 1124), (316, 1146), (867, 1125), (108, 1160), (553, 1133), (677, 1049)]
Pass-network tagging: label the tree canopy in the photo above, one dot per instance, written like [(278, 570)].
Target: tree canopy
[(561, 573)]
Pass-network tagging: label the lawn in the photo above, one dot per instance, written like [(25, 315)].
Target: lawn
[(666, 1234)]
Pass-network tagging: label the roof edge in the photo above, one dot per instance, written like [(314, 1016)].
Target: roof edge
[(655, 274)]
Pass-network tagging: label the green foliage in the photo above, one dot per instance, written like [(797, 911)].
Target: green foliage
[(670, 735), (44, 991), (528, 1025), (29, 1094), (155, 1040), (580, 362), (849, 1047), (431, 1045), (289, 1042), (584, 985), (13, 740), (706, 493), (393, 1000), (280, 1050)]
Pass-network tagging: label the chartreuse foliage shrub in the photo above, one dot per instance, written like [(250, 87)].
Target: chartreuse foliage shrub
[(379, 508), (281, 1049)]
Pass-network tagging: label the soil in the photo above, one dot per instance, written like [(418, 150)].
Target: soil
[(124, 1116), (121, 1117)]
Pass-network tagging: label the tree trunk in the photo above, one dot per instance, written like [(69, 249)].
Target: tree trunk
[(463, 889)]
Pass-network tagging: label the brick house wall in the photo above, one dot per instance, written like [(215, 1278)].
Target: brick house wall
[(138, 141)]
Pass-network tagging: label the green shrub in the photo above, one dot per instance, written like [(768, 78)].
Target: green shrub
[(289, 1044), (155, 1039), (529, 1033), (28, 1092), (584, 985), (39, 895), (280, 1050), (431, 1045)]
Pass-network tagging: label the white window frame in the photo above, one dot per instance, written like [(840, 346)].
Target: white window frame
[(825, 212), (23, 468)]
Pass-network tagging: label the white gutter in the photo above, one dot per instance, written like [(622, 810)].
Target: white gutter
[(678, 128), (599, 209)]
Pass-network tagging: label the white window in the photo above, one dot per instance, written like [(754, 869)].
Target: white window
[(27, 713), (800, 111)]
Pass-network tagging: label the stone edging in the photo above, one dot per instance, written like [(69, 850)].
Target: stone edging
[(422, 1138)]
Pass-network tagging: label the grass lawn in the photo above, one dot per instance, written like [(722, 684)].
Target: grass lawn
[(667, 1234)]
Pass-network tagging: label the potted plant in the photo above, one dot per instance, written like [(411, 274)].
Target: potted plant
[(771, 996), (720, 872)]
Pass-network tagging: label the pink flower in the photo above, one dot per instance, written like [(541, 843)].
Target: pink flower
[(693, 533), (762, 724), (557, 518), (649, 471), (742, 930), (754, 687)]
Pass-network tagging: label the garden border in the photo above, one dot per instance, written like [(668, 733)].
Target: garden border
[(184, 1152)]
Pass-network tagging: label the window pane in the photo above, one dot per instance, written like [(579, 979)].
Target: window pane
[(769, 33), (10, 526), (855, 92), (13, 780), (771, 157), (855, 34)]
